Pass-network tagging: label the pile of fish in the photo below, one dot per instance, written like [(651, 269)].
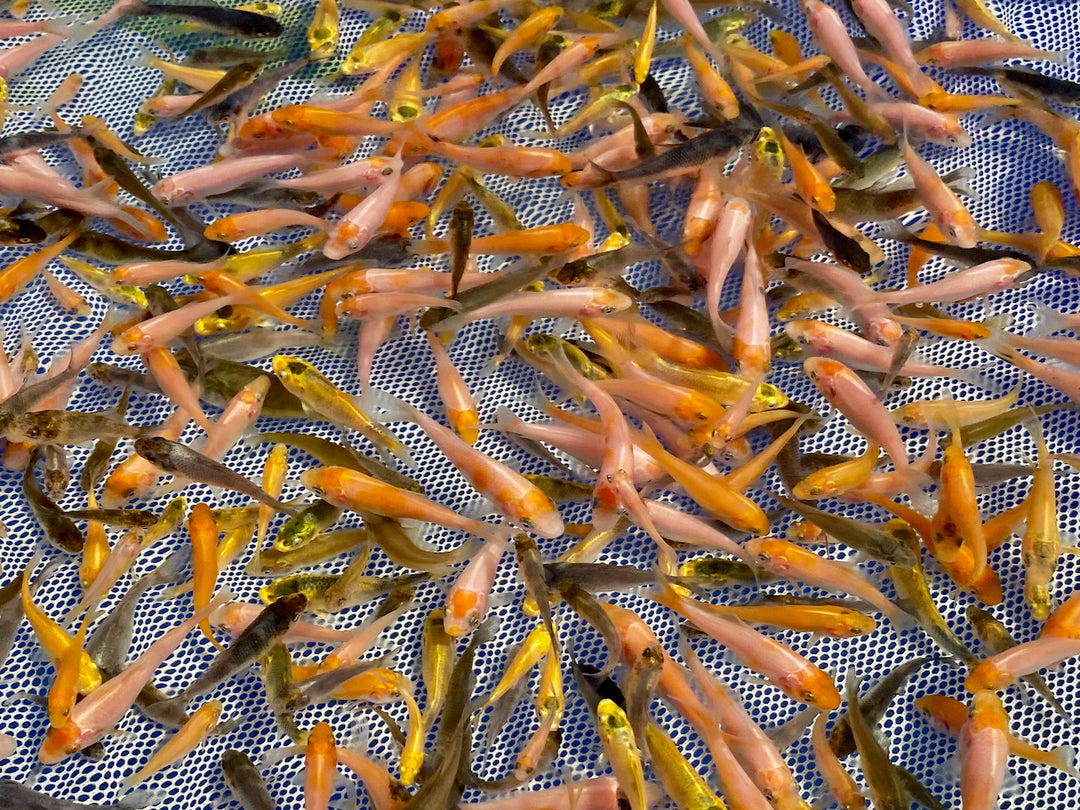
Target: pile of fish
[(743, 339)]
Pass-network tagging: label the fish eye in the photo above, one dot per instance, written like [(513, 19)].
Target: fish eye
[(318, 491), (807, 696), (608, 310), (770, 797), (527, 523), (128, 493), (763, 556), (474, 620), (389, 170)]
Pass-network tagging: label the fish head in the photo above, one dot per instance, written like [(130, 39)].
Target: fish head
[(336, 248), (798, 331), (60, 743), (931, 56), (813, 687), (466, 424), (987, 712), (464, 611), (223, 230), (824, 374), (948, 132), (329, 483), (780, 791), (287, 367), (987, 675), (297, 532), (321, 739), (910, 415), (606, 302), (132, 341), (170, 192), (960, 230), (292, 116), (762, 551), (261, 126), (823, 198), (538, 514), (611, 717), (125, 483), (853, 623), (35, 427), (945, 713)]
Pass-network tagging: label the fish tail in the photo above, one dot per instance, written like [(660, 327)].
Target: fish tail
[(145, 798), (972, 376), (664, 593), (102, 191), (1039, 685), (999, 343), (73, 28), (900, 619), (204, 626), (1048, 321), (504, 419), (630, 500), (145, 56), (607, 177), (226, 595), (1064, 759), (389, 407), (912, 481), (396, 447), (959, 180), (451, 324)]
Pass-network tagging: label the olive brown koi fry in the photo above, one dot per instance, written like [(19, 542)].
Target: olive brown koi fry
[(182, 461)]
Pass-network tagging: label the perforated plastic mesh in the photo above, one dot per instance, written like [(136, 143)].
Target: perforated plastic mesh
[(1006, 158)]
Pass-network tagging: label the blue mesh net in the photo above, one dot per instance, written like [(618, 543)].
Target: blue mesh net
[(1005, 159)]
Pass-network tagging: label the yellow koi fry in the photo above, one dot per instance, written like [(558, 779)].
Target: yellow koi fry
[(203, 531), (643, 57), (52, 637), (183, 742), (65, 688)]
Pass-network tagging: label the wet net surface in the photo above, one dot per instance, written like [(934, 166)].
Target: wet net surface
[(1005, 158)]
